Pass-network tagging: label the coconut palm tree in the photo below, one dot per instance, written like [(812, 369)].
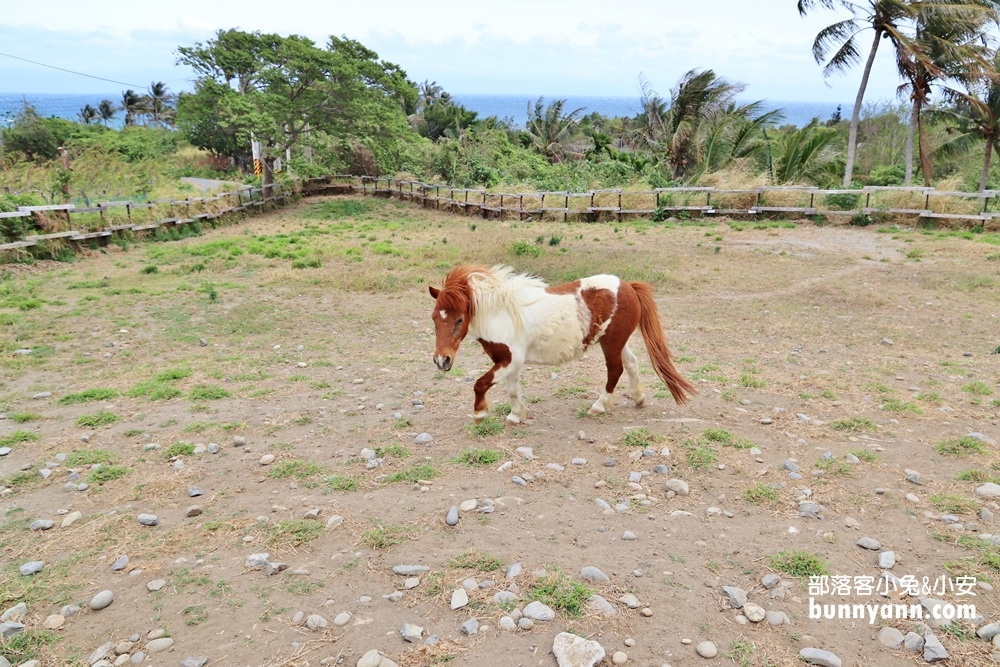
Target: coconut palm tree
[(734, 132), (132, 106), (158, 101), (800, 155), (89, 114), (886, 18), (550, 127), (107, 111), (947, 42), (698, 96), (976, 117), (428, 93)]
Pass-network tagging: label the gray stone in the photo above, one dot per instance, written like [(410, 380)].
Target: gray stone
[(525, 623), (630, 601), (985, 439), (422, 439), (459, 598), (194, 491), (370, 659), (198, 661), (31, 567), (737, 597), (315, 622), (9, 628), (470, 627), (159, 645), (42, 394), (791, 466), (41, 524), (120, 563), (769, 581), (409, 570), (513, 571), (148, 520), (913, 642), (869, 543), (15, 613), (811, 510), (537, 611), (574, 651), (777, 618), (342, 619), (102, 600), (817, 656), (988, 490), (890, 637), (272, 569), (628, 536), (504, 597), (989, 631), (100, 653), (212, 448), (707, 649), (452, 518), (933, 648), (598, 605), (155, 585), (508, 624), (594, 575), (932, 618), (914, 477), (69, 611), (4, 451), (239, 441), (257, 561), (137, 657), (193, 511), (411, 632), (678, 486), (754, 612), (886, 560)]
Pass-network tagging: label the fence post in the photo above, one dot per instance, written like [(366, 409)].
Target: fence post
[(566, 207), (520, 207), (619, 206)]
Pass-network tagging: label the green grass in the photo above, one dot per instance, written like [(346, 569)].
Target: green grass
[(476, 560), (296, 469), (89, 457), (899, 407), (25, 646), (866, 455), (698, 454), (102, 418), (173, 374), (750, 380), (490, 425), (18, 437), (984, 562), (154, 390), (522, 248), (561, 593), (761, 494), (799, 563), (855, 424), (207, 392), (640, 437), (294, 533), (478, 457), (964, 446), (834, 466), (413, 473), (107, 473), (178, 449), (570, 392), (24, 416), (341, 482), (384, 535), (977, 476), (977, 388), (725, 438), (395, 451), (501, 410), (195, 613), (89, 396), (951, 503)]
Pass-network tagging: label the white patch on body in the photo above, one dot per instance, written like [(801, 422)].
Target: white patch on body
[(443, 314)]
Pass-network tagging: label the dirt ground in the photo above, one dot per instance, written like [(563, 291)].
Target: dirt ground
[(301, 334)]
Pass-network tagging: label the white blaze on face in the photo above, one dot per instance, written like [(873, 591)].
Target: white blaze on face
[(443, 314)]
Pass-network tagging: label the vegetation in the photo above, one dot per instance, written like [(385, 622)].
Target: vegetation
[(799, 563)]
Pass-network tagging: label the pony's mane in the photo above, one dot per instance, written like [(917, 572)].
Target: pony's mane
[(486, 291)]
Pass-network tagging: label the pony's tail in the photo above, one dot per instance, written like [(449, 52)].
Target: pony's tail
[(656, 345)]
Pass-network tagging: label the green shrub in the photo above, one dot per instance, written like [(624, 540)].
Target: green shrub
[(522, 248)]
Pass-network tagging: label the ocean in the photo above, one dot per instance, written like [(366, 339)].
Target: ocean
[(513, 107)]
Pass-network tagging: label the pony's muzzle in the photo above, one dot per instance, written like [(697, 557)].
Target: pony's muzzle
[(444, 363)]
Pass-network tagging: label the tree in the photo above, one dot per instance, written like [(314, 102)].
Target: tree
[(885, 18), (29, 134), (946, 43), (428, 93), (158, 103), (89, 114), (801, 154), (198, 120), (975, 118), (444, 118), (549, 128), (273, 88), (107, 110), (734, 132), (132, 106)]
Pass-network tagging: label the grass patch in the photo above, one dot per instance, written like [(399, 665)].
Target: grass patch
[(341, 482), (490, 425), (25, 646), (102, 418), (24, 416), (799, 563), (570, 392), (834, 466), (296, 469), (725, 438), (501, 410), (983, 563), (196, 613), (866, 455), (977, 388), (855, 424), (88, 396), (640, 437), (750, 380), (478, 457), (154, 390), (18, 437), (395, 451), (476, 560), (698, 454), (207, 392), (294, 533), (562, 593), (384, 535), (89, 457), (950, 503), (899, 407), (964, 446), (179, 449), (761, 494), (413, 474), (107, 473), (977, 476)]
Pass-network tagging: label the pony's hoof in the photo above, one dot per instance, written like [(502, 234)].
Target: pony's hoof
[(640, 402), (594, 410), (480, 416), (513, 419)]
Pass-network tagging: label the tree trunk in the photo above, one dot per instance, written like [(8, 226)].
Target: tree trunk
[(986, 163), (925, 153), (852, 138), (266, 177), (912, 130)]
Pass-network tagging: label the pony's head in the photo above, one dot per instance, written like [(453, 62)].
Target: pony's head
[(454, 308)]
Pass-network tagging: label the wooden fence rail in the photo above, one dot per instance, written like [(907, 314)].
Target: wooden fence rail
[(137, 218)]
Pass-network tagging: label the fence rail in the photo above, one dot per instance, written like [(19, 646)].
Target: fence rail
[(138, 218)]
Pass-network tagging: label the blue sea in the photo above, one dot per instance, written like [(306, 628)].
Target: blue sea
[(513, 107)]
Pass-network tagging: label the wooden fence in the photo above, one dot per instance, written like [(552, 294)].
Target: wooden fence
[(101, 222), (917, 203)]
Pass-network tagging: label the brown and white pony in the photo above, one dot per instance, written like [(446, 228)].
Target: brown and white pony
[(518, 320)]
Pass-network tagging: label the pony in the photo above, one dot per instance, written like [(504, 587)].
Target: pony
[(518, 319)]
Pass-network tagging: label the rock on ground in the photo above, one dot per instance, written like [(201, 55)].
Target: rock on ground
[(817, 656), (574, 651)]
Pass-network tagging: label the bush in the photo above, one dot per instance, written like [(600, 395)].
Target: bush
[(892, 174)]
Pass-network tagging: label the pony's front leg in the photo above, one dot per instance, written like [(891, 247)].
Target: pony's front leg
[(518, 411), (481, 407)]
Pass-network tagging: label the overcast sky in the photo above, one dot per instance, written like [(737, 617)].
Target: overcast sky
[(538, 47)]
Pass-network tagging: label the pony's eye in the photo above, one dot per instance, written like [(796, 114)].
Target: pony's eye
[(459, 320)]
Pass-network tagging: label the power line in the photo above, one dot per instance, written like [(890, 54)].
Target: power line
[(61, 69)]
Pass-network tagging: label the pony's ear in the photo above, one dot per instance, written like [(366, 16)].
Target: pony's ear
[(434, 291)]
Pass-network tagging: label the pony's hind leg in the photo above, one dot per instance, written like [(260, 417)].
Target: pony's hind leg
[(613, 358), (518, 411), (631, 363)]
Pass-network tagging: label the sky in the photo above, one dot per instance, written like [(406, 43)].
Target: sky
[(537, 47)]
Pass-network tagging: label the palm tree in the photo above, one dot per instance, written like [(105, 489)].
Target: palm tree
[(947, 42), (801, 154), (107, 110), (976, 117), (89, 114), (132, 106), (428, 92), (734, 132), (886, 18), (698, 96), (158, 101), (549, 127)]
